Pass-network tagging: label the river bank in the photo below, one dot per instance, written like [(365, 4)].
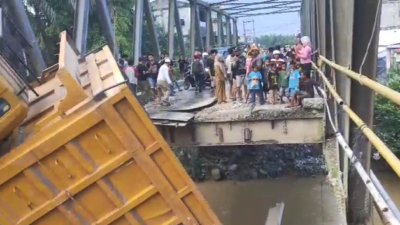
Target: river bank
[(252, 162)]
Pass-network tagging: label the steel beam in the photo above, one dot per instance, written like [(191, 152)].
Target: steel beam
[(220, 32), (268, 2), (228, 31), (199, 38), (22, 22), (192, 31), (223, 2), (269, 13), (210, 30), (260, 8), (138, 31), (207, 5), (150, 25), (181, 41), (81, 22), (366, 27), (235, 32), (106, 25), (171, 26), (231, 133)]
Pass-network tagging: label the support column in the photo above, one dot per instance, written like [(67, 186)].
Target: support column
[(181, 42), (220, 32), (21, 20), (171, 27), (228, 31), (138, 31), (192, 31), (342, 27), (150, 25), (106, 25), (367, 14), (81, 21), (235, 32), (199, 39), (210, 32)]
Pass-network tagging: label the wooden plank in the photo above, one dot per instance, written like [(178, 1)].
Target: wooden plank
[(94, 75), (275, 214)]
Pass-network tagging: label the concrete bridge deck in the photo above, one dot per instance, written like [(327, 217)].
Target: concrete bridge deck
[(196, 120)]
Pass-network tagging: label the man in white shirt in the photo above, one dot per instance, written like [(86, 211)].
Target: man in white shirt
[(130, 74), (164, 81)]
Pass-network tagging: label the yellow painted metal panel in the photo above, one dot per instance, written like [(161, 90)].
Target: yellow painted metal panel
[(97, 162)]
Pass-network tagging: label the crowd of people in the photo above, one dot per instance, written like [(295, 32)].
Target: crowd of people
[(274, 75)]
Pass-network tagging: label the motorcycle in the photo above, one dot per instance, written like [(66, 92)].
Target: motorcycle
[(188, 79)]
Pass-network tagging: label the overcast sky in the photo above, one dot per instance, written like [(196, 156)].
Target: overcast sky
[(287, 23)]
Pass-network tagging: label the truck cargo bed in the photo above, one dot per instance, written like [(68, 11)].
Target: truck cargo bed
[(100, 162)]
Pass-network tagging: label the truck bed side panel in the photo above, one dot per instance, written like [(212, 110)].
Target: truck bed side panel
[(106, 163)]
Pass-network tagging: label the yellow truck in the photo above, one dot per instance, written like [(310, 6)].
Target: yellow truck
[(84, 151)]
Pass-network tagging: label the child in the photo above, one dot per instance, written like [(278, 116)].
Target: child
[(283, 83), (266, 70), (277, 60), (289, 60), (306, 88), (298, 65), (294, 79), (273, 83), (254, 85)]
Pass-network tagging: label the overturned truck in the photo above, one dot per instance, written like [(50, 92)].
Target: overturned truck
[(82, 150)]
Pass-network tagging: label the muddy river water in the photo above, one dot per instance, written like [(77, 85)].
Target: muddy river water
[(308, 201)]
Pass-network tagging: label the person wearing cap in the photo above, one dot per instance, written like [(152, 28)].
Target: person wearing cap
[(164, 82), (277, 60)]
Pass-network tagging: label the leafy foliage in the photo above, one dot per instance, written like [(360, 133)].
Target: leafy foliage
[(387, 116), (50, 17), (276, 39)]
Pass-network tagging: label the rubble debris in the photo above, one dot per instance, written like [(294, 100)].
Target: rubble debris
[(252, 162)]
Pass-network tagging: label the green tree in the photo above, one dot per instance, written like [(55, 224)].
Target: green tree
[(276, 39), (387, 116)]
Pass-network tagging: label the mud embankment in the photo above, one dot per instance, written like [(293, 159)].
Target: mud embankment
[(252, 162)]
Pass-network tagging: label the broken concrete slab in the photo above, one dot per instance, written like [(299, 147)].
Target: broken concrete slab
[(238, 111)]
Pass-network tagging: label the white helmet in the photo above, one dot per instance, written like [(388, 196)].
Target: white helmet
[(276, 52)]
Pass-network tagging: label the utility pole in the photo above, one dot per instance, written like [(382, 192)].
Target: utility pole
[(252, 30)]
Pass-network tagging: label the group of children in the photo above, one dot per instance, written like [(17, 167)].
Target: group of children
[(279, 79)]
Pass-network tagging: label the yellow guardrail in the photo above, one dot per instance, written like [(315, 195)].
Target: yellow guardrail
[(380, 146), (390, 94)]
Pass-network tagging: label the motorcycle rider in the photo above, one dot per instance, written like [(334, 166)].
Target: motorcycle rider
[(197, 69)]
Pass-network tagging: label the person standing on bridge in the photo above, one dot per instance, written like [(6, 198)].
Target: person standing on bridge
[(254, 84), (239, 70), (305, 54), (220, 78), (228, 63), (254, 58), (198, 69), (210, 65), (164, 82)]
